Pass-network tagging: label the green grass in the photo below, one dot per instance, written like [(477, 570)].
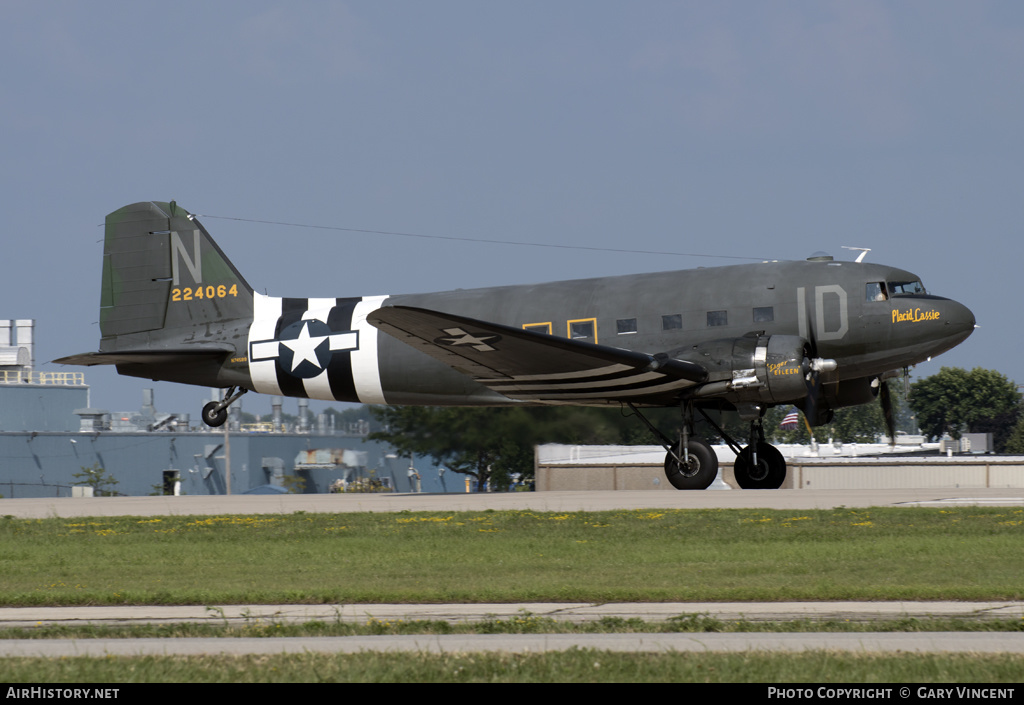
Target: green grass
[(653, 555), (572, 666), (524, 623), (517, 556)]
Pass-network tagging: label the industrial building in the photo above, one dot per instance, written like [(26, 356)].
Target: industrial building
[(829, 467), (53, 444)]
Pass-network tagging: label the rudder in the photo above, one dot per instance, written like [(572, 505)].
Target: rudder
[(161, 269)]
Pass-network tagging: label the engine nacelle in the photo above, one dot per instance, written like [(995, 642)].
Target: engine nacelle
[(776, 369), (760, 369)]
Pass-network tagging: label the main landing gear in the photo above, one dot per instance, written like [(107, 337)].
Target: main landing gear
[(692, 466), (691, 463), (760, 465), (216, 412)]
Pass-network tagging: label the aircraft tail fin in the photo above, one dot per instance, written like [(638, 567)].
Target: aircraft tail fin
[(162, 272)]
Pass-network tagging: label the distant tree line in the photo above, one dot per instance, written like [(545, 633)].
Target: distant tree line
[(956, 401), (495, 444)]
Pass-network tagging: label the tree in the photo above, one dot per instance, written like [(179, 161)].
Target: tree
[(863, 423), (1015, 441), (492, 444), (294, 484), (96, 477), (466, 440), (955, 401)]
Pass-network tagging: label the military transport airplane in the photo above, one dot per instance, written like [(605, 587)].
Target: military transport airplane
[(819, 334)]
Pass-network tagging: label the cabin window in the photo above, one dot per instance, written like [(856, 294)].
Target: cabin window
[(906, 288), (583, 328), (625, 326), (672, 322), (875, 291), (538, 327), (765, 314), (718, 318)]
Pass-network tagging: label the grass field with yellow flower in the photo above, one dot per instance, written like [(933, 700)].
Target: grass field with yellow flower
[(968, 553)]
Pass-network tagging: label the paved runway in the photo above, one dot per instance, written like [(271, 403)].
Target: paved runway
[(535, 501), (577, 612), (863, 642), (935, 642)]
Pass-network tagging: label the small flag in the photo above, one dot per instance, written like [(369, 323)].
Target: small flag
[(791, 421)]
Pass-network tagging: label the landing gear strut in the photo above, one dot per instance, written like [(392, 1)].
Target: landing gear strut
[(690, 463), (216, 412), (759, 466)]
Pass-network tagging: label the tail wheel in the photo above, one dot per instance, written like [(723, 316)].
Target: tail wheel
[(212, 417), (698, 472), (768, 473), (216, 413)]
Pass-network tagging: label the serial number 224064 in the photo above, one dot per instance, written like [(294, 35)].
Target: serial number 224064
[(210, 291)]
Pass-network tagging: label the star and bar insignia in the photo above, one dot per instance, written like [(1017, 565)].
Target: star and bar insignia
[(304, 349), (458, 336)]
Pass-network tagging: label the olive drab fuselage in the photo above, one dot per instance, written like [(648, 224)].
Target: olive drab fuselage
[(819, 334)]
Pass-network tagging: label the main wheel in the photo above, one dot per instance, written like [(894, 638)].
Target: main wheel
[(700, 470), (768, 473), (212, 417)]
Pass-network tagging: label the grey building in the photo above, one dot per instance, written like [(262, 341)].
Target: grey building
[(50, 439)]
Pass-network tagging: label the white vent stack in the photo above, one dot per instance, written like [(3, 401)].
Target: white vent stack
[(17, 350)]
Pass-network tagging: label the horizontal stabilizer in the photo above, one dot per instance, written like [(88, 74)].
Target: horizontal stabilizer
[(531, 366), (148, 356)]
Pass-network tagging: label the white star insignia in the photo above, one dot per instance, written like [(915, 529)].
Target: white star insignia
[(478, 343), (304, 347), (307, 346)]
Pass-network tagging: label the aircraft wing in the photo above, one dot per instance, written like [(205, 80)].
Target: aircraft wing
[(530, 366)]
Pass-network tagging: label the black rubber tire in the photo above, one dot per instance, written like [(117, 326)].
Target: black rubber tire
[(213, 418), (768, 474), (701, 471)]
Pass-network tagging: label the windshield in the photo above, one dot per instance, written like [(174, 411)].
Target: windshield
[(904, 288)]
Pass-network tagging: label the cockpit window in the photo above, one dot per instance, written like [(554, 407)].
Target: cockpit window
[(875, 291), (905, 288)]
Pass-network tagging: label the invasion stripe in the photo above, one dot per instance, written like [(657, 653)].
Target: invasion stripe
[(318, 387), (605, 383), (628, 373), (365, 365), (292, 311), (555, 376), (339, 370), (262, 365), (637, 392)]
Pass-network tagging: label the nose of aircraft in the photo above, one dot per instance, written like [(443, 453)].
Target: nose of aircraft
[(959, 322), (928, 326)]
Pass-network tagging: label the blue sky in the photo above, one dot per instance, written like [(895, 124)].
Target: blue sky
[(727, 129)]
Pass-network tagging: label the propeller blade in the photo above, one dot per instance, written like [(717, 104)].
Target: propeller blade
[(814, 369), (890, 422), (813, 394)]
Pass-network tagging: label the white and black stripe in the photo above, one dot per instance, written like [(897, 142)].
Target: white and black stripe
[(339, 360), (617, 381)]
